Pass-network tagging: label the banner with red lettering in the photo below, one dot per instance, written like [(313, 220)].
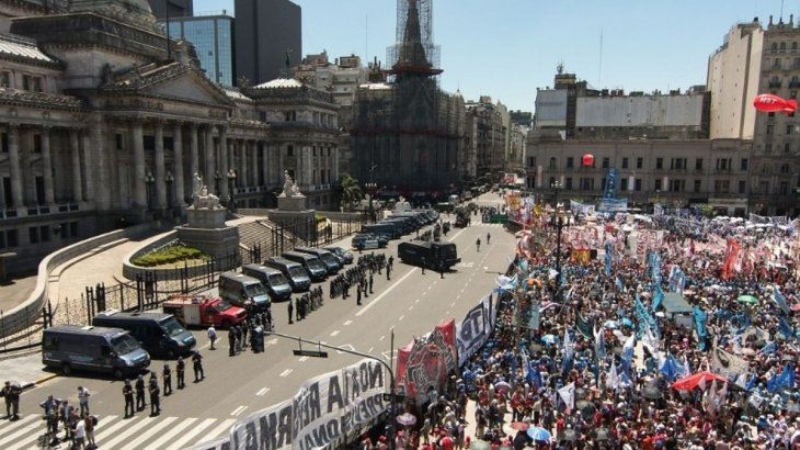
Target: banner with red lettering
[(731, 254), (423, 366)]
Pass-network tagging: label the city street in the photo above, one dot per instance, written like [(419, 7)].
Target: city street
[(411, 304)]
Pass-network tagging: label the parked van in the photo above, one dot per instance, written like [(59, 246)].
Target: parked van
[(311, 263), (294, 272), (330, 260), (97, 349), (239, 289), (390, 230), (158, 333), (274, 280)]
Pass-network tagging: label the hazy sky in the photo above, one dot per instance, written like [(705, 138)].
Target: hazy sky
[(508, 48)]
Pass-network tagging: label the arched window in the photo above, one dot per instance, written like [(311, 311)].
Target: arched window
[(785, 168), (783, 46), (774, 47)]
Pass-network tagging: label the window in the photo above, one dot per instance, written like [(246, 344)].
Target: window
[(637, 185), (770, 129), (659, 163), (33, 235), (313, 150), (32, 83), (697, 185), (639, 163), (787, 147), (742, 186), (12, 238), (677, 163), (776, 63), (677, 185), (624, 163), (4, 142), (623, 184), (73, 229), (531, 159), (290, 150), (783, 46), (570, 162), (789, 128), (658, 184), (118, 140), (44, 233), (724, 164), (5, 79), (606, 163), (767, 148), (785, 168), (568, 184), (698, 164), (37, 143), (722, 186), (552, 163), (744, 165)]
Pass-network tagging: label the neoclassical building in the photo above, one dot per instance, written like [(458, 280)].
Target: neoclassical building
[(104, 121)]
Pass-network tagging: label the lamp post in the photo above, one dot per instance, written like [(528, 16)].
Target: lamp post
[(217, 177), (232, 190), (169, 179), (371, 188), (320, 354), (149, 180), (559, 219)]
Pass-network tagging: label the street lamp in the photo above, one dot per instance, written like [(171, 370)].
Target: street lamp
[(217, 177), (556, 186), (371, 189), (232, 189), (169, 179), (149, 180), (321, 354), (559, 219)]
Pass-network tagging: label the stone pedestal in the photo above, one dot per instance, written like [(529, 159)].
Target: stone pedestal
[(295, 203), (206, 231)]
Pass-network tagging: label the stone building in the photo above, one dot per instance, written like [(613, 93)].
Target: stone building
[(102, 126), (492, 142)]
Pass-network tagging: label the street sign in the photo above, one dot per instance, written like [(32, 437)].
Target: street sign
[(311, 353)]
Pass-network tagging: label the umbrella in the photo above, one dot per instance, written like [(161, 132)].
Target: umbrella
[(601, 434), (539, 434), (407, 419), (502, 386), (747, 299), (693, 381), (522, 426), (610, 324), (549, 339), (568, 435), (627, 322)]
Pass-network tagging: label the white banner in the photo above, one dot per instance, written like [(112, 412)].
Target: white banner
[(328, 410), (472, 332), (728, 364)]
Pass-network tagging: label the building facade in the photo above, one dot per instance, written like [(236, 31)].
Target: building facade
[(492, 123), (102, 126), (212, 37), (268, 39), (164, 9)]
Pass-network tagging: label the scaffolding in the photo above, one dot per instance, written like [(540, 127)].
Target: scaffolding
[(414, 50)]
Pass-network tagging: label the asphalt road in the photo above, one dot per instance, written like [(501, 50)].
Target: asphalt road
[(410, 304)]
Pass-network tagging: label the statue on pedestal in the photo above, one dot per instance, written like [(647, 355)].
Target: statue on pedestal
[(290, 188), (201, 199)]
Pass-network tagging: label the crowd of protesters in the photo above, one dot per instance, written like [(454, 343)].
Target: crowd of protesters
[(594, 361)]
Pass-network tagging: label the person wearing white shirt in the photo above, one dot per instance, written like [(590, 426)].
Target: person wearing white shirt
[(79, 435)]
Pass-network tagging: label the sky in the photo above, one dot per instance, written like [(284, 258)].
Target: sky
[(507, 49)]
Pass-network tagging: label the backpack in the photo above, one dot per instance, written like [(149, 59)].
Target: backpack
[(94, 420)]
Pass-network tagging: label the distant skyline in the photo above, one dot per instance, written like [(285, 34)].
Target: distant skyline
[(507, 49)]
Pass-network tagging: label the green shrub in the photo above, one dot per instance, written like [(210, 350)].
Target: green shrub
[(320, 217), (169, 255)]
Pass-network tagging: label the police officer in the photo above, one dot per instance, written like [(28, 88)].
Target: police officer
[(291, 311), (232, 341), (140, 404), (180, 368), (155, 401), (370, 282), (358, 294), (424, 263), (166, 376), (127, 392), (197, 365), (6, 393)]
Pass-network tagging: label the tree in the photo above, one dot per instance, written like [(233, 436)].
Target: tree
[(351, 191)]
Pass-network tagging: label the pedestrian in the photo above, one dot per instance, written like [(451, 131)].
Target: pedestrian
[(358, 295), (388, 273), (180, 369), (232, 341), (140, 404), (83, 400), (166, 376), (127, 392), (6, 393), (197, 365), (50, 407), (155, 400), (391, 262), (297, 306), (16, 392), (424, 262), (441, 271), (90, 422), (243, 338), (79, 433), (66, 414), (291, 311), (488, 238), (212, 336), (370, 283)]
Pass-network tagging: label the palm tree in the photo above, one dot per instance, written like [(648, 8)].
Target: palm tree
[(351, 191)]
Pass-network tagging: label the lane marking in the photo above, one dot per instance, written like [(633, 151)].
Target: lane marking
[(382, 337), (303, 358), (411, 308), (262, 392), (402, 317), (108, 432), (286, 373), (238, 410), (416, 301), (335, 333), (452, 304), (21, 432), (384, 294), (370, 349), (131, 429), (180, 443), (141, 437), (177, 428), (348, 322)]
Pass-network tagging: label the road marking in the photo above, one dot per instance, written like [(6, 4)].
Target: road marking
[(21, 432), (286, 373), (100, 435), (272, 341), (411, 308), (303, 358), (131, 429), (262, 392), (346, 347), (416, 301), (382, 337), (238, 410), (370, 349), (383, 295), (177, 428), (349, 322), (401, 317), (335, 333), (180, 443), (150, 432), (224, 426)]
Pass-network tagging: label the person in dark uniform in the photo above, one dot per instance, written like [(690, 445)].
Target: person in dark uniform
[(298, 313), (166, 376), (197, 365), (291, 311), (358, 295), (488, 238), (180, 368), (232, 341), (6, 393), (155, 400), (424, 263), (364, 287), (370, 283), (441, 270), (391, 262), (140, 404), (388, 273), (127, 392), (245, 328)]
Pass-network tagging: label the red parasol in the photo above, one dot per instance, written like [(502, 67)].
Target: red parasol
[(693, 381)]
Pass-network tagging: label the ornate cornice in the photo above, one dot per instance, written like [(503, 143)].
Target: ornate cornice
[(40, 99)]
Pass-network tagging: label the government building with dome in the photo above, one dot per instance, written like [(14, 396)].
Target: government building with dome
[(104, 122)]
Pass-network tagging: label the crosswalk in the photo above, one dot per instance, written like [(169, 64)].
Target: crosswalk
[(115, 432)]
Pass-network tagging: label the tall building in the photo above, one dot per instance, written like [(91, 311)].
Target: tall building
[(268, 40), (164, 9), (492, 137), (754, 60), (212, 36), (408, 135)]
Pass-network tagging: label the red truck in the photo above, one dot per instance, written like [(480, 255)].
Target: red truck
[(201, 310)]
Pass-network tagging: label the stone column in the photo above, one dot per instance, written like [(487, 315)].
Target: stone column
[(265, 168), (139, 170), (160, 175), (211, 167), (16, 170), (253, 148), (102, 186), (194, 151), (242, 175), (224, 152), (47, 167), (177, 147), (26, 162), (88, 175), (75, 150)]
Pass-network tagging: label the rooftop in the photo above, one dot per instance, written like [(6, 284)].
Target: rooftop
[(14, 46), (280, 83)]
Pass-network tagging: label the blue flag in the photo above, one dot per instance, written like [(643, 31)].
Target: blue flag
[(780, 300), (658, 297)]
